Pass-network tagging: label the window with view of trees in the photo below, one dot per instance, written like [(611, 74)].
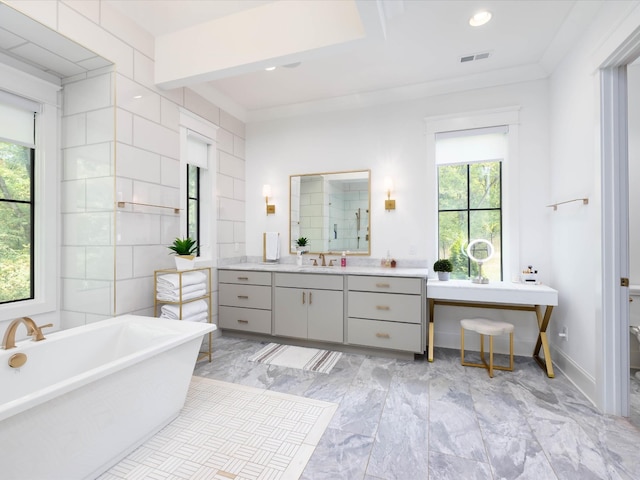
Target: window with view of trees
[(469, 169), (193, 203), (16, 219)]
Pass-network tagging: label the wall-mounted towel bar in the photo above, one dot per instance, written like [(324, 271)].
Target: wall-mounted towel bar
[(585, 201), (122, 205)]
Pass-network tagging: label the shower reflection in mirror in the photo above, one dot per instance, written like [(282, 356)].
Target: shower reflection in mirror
[(332, 211)]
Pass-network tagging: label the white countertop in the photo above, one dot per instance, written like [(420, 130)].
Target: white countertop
[(496, 292), (336, 270)]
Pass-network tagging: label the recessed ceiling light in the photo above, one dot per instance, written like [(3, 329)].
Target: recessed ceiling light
[(269, 69), (480, 18), (137, 97)]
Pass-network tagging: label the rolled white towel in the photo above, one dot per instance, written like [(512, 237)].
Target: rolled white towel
[(185, 289), (171, 281), (175, 296), (198, 317), (188, 309)]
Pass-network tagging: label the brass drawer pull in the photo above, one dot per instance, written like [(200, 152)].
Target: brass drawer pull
[(383, 335), (243, 278), (382, 307), (310, 298), (243, 297), (303, 297), (382, 285), (243, 321)]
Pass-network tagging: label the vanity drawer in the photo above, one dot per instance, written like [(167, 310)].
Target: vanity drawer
[(385, 284), (244, 277), (309, 280), (245, 319), (250, 296), (390, 335), (390, 306)]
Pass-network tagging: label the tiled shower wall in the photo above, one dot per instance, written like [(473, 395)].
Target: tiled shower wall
[(109, 253)]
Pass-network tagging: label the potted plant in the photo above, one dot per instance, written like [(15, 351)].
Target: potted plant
[(301, 244), (184, 249), (444, 267)]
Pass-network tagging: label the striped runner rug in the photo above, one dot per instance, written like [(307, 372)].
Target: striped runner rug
[(311, 359)]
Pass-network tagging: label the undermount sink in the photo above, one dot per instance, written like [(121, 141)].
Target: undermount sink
[(312, 268)]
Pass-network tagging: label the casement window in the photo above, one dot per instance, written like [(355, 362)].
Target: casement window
[(198, 172), (17, 198), (469, 172)]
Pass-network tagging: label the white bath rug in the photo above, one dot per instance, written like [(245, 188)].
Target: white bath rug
[(230, 431), (303, 358)]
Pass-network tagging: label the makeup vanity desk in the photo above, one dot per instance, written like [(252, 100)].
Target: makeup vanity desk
[(497, 295)]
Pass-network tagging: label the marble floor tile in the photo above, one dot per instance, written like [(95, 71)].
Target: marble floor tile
[(402, 439), (453, 424), (517, 458), (339, 455), (413, 420), (448, 467)]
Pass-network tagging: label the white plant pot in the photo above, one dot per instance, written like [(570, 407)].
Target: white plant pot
[(185, 262), (443, 276)]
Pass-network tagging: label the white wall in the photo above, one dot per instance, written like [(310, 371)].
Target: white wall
[(390, 140), (576, 230), (147, 151)]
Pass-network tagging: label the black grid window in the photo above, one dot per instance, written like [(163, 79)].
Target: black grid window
[(470, 208)]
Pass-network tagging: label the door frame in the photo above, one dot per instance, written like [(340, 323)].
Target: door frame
[(614, 374)]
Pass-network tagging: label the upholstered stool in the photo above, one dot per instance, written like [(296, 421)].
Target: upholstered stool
[(484, 326)]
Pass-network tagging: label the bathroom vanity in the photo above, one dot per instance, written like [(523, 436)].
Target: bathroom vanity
[(379, 308)]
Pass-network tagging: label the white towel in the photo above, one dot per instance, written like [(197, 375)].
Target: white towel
[(174, 296), (271, 246), (171, 281), (185, 289), (198, 317), (188, 309)]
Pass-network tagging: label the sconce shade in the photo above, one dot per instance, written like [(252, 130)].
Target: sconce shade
[(388, 186), (266, 193)]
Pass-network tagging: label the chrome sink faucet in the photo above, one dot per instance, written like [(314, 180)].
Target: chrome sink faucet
[(34, 330)]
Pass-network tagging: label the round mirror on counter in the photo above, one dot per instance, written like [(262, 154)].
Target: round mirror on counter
[(480, 251)]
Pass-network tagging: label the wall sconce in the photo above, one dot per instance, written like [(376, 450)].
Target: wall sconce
[(266, 193), (388, 186)]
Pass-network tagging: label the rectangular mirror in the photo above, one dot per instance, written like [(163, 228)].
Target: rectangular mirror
[(331, 210)]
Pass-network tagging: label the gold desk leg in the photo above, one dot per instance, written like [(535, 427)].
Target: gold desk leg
[(431, 329), (543, 342)]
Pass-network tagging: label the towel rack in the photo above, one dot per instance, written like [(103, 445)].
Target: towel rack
[(122, 204), (585, 201)]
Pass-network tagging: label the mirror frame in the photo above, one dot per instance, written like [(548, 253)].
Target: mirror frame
[(292, 249)]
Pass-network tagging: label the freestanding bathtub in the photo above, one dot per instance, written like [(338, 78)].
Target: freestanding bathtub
[(88, 396)]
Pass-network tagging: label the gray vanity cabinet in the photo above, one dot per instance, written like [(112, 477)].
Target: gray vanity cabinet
[(386, 312), (309, 306), (245, 300)]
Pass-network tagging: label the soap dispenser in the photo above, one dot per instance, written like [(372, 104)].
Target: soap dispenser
[(343, 260)]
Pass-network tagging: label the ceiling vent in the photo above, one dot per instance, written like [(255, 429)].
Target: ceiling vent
[(477, 56)]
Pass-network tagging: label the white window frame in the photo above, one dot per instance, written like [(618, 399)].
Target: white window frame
[(46, 211), (510, 173), (192, 124)]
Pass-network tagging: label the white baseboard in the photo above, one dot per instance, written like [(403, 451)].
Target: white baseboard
[(576, 375)]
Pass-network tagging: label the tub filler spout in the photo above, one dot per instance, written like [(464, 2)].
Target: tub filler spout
[(34, 330)]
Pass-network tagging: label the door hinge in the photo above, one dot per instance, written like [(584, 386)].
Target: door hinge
[(624, 282)]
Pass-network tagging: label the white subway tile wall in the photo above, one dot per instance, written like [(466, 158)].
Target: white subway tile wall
[(120, 148)]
